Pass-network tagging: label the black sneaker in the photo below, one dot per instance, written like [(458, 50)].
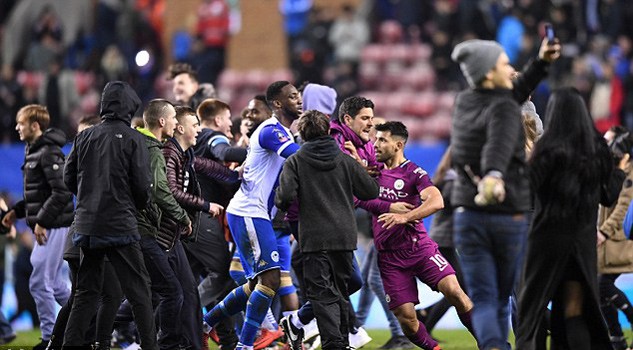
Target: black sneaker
[(618, 343), (398, 342), (294, 335), (41, 345), (7, 339), (101, 346)]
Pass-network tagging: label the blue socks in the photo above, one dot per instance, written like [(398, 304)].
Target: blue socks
[(256, 309), (233, 303)]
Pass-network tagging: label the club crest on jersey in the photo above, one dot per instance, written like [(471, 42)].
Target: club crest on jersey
[(281, 136), (398, 184), (274, 256)]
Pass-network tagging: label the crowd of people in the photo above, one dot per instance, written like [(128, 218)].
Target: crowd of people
[(174, 214), (62, 53), (180, 227)]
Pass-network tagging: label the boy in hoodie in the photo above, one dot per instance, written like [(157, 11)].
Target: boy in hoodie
[(108, 170), (320, 173), (48, 209)]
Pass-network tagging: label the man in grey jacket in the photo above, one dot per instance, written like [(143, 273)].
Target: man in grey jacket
[(317, 174)]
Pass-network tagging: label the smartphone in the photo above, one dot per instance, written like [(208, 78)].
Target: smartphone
[(549, 33)]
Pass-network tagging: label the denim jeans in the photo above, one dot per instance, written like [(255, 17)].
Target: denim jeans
[(373, 288), (491, 249)]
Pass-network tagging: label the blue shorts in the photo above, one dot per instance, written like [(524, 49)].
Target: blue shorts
[(285, 254), (256, 243)]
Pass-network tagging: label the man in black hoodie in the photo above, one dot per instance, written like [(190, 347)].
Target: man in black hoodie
[(48, 209), (321, 173), (108, 170)]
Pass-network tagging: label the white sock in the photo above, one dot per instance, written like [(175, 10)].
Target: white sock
[(270, 323), (295, 320)]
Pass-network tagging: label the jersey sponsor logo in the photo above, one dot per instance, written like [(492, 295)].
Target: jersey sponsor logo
[(391, 194), (399, 184), (420, 171), (387, 298), (274, 256)]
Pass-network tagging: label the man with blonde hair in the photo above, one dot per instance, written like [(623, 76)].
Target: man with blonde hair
[(48, 209)]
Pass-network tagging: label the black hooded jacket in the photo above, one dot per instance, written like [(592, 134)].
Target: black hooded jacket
[(47, 201), (108, 170), (325, 180)]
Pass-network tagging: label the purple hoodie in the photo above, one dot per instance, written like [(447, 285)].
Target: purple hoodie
[(343, 133)]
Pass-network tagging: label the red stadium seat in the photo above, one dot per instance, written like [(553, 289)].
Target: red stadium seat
[(390, 32), (230, 80)]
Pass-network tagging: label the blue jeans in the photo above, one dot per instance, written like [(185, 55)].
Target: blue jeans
[(48, 285), (372, 288), (491, 249)]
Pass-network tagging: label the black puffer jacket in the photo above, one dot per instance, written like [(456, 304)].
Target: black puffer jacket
[(108, 169), (487, 134), (47, 201)]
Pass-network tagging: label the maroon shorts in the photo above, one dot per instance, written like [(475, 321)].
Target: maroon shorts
[(399, 269)]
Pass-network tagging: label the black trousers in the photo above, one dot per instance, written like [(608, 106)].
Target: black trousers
[(131, 272), (109, 301), (165, 284), (610, 297), (326, 276), (191, 313)]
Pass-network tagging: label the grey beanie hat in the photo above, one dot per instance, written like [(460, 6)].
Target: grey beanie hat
[(529, 110), (476, 58)]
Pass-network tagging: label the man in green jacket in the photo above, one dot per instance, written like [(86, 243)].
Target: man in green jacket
[(165, 267)]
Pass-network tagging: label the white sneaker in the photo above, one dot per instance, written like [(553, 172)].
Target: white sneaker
[(133, 346), (310, 330), (359, 339), (316, 342)]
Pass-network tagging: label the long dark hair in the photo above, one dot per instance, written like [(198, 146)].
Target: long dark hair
[(565, 166), (443, 167)]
